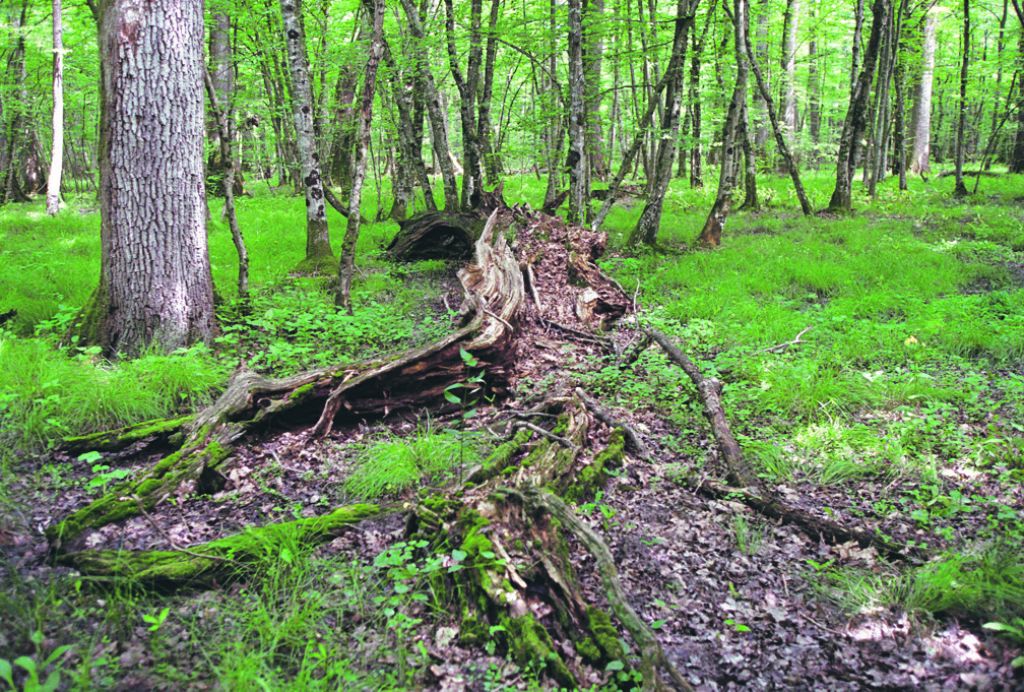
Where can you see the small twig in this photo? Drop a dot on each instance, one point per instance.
(779, 348)
(633, 439)
(500, 319)
(581, 335)
(544, 433)
(532, 280)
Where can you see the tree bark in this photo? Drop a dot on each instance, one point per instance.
(1017, 156)
(646, 230)
(439, 133)
(155, 285)
(348, 248)
(922, 118)
(467, 85)
(856, 115)
(711, 233)
(593, 54)
(319, 255)
(576, 162)
(960, 190)
(57, 148)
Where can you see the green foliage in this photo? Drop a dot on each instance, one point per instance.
(392, 464)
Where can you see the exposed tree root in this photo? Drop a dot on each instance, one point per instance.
(220, 560)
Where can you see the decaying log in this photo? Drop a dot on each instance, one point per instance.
(144, 434)
(218, 561)
(436, 235)
(494, 295)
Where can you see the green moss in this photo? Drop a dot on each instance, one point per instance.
(106, 439)
(530, 644)
(301, 391)
(325, 264)
(606, 637)
(222, 558)
(592, 476)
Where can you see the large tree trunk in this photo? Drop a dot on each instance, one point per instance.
(922, 118)
(961, 124)
(646, 230)
(57, 148)
(222, 75)
(856, 115)
(155, 286)
(814, 92)
(319, 256)
(348, 248)
(489, 151)
(576, 162)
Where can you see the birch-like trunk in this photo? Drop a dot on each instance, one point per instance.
(155, 286)
(57, 148)
(318, 239)
(792, 26)
(922, 118)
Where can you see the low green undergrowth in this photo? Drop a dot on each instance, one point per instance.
(392, 464)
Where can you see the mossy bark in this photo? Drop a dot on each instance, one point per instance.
(220, 560)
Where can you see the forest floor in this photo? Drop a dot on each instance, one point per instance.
(873, 373)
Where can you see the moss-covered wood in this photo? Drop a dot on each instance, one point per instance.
(153, 431)
(220, 560)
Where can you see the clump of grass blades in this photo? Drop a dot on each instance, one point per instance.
(390, 465)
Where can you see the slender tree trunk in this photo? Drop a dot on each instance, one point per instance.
(646, 230)
(1017, 156)
(750, 201)
(856, 115)
(791, 25)
(761, 133)
(711, 233)
(813, 92)
(696, 151)
(576, 162)
(900, 134)
(780, 138)
(57, 149)
(875, 162)
(155, 287)
(858, 31)
(348, 248)
(961, 190)
(472, 181)
(491, 159)
(593, 53)
(922, 117)
(432, 101)
(318, 239)
(227, 155)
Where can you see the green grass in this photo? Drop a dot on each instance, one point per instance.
(390, 465)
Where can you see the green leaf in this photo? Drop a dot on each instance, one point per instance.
(459, 555)
(468, 358)
(451, 398)
(615, 665)
(286, 556)
(402, 588)
(6, 673)
(657, 624)
(90, 457)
